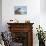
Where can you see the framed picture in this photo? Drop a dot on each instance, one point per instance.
(20, 10)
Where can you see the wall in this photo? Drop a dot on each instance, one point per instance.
(43, 6)
(34, 14)
(33, 10)
(0, 15)
(43, 14)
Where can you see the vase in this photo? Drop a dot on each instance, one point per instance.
(41, 43)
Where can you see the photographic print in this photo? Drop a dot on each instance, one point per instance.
(20, 10)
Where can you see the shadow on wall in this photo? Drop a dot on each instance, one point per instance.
(0, 15)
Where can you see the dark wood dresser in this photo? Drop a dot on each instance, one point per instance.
(22, 33)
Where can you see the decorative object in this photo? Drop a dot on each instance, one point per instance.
(27, 21)
(41, 36)
(20, 10)
(13, 21)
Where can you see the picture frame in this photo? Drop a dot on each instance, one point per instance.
(20, 10)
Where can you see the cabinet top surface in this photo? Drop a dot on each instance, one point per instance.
(19, 23)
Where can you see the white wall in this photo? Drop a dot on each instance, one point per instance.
(34, 14)
(43, 6)
(33, 10)
(43, 14)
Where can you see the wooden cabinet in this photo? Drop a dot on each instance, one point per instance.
(22, 33)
